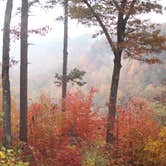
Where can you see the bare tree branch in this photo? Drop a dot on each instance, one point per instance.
(102, 26)
(130, 10)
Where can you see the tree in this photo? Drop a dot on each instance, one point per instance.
(6, 101)
(24, 64)
(23, 71)
(75, 77)
(135, 37)
(65, 52)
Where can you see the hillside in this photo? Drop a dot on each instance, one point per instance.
(93, 56)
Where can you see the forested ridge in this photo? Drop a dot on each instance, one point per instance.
(93, 99)
(148, 76)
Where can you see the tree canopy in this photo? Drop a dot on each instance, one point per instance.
(141, 37)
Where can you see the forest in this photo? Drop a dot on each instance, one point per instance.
(83, 83)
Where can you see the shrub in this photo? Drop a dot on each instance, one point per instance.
(57, 136)
(11, 157)
(156, 149)
(135, 124)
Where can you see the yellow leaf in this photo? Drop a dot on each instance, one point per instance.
(2, 155)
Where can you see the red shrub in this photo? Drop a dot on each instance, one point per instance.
(80, 118)
(135, 124)
(53, 132)
(68, 156)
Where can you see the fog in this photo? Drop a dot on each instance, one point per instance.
(45, 52)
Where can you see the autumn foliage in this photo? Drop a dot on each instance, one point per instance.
(135, 123)
(58, 136)
(77, 137)
(156, 149)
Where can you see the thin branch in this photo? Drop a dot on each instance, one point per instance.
(130, 10)
(102, 26)
(116, 5)
(123, 5)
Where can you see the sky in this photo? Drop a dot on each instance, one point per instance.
(39, 17)
(42, 17)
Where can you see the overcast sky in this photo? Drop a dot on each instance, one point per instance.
(41, 17)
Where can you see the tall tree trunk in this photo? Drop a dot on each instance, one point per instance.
(113, 100)
(24, 71)
(65, 53)
(117, 51)
(6, 101)
(121, 26)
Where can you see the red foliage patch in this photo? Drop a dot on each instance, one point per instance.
(135, 123)
(54, 133)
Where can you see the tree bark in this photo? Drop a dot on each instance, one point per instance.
(121, 27)
(117, 51)
(6, 99)
(113, 100)
(24, 71)
(65, 53)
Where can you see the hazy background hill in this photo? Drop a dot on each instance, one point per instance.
(95, 57)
